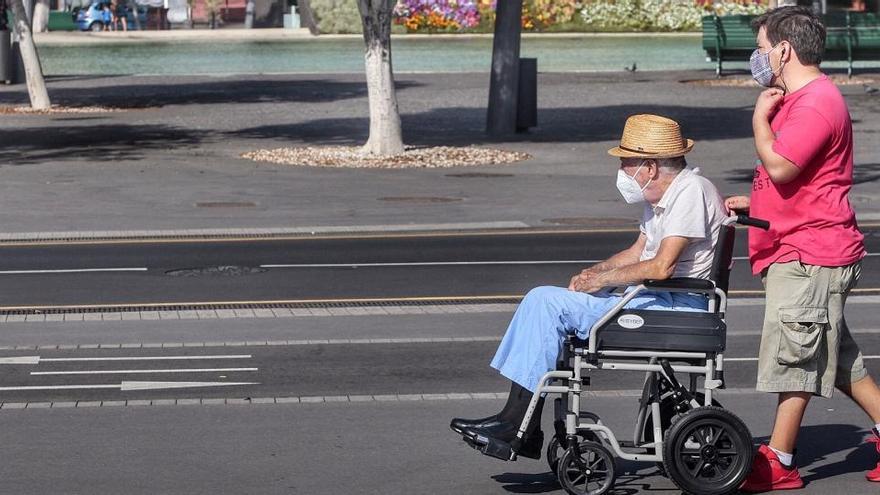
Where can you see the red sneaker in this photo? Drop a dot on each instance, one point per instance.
(874, 474)
(768, 474)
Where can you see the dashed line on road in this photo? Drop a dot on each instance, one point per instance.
(71, 270)
(271, 343)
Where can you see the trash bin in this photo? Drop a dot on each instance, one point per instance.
(19, 76)
(5, 57)
(527, 95)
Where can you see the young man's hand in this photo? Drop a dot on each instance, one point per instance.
(767, 102)
(737, 203)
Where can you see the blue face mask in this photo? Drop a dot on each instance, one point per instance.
(761, 68)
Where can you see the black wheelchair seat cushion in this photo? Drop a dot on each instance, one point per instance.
(649, 330)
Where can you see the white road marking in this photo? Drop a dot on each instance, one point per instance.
(145, 358)
(38, 359)
(431, 263)
(70, 270)
(119, 372)
(20, 360)
(127, 386)
(345, 265)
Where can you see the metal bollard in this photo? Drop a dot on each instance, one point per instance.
(5, 57)
(527, 95)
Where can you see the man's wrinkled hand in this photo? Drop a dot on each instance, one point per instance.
(737, 203)
(586, 281)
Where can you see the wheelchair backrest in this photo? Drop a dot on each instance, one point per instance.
(722, 260)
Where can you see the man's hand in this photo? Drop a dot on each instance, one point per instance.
(767, 102)
(586, 281)
(737, 203)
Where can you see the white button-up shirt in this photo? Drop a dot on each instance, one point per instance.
(691, 207)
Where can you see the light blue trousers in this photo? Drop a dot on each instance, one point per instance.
(545, 316)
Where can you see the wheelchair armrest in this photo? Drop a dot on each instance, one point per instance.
(681, 283)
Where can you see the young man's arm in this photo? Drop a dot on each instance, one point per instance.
(779, 168)
(660, 267)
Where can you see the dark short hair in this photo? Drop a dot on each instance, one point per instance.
(800, 26)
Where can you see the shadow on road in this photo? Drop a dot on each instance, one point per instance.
(466, 125)
(105, 142)
(201, 92)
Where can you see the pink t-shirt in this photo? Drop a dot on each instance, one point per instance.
(810, 218)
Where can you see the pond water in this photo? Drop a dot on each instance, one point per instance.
(410, 54)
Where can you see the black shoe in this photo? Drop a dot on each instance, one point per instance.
(458, 425)
(505, 433)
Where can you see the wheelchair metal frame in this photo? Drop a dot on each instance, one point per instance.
(654, 364)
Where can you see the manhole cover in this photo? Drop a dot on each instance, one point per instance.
(478, 175)
(215, 271)
(592, 221)
(419, 199)
(225, 204)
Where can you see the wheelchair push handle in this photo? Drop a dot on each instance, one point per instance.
(752, 222)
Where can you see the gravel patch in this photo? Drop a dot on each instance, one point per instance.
(412, 157)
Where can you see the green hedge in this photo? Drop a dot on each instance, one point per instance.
(337, 16)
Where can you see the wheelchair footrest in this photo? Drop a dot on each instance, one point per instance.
(492, 447)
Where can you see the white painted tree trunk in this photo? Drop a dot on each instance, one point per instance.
(36, 85)
(249, 9)
(41, 16)
(385, 132)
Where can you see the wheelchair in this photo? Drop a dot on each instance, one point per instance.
(701, 447)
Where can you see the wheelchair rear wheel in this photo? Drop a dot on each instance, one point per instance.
(708, 450)
(587, 469)
(668, 413)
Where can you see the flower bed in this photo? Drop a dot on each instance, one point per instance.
(432, 16)
(478, 16)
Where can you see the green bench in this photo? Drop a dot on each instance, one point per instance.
(851, 36)
(58, 21)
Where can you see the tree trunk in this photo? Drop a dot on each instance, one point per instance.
(504, 80)
(132, 6)
(36, 85)
(40, 21)
(249, 8)
(385, 133)
(307, 18)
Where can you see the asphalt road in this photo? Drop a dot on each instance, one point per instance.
(338, 445)
(367, 415)
(384, 266)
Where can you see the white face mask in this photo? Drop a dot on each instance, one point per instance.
(629, 188)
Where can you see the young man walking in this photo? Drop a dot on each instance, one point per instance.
(810, 259)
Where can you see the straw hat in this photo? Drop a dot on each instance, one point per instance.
(651, 136)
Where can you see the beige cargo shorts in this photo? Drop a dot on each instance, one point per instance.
(806, 345)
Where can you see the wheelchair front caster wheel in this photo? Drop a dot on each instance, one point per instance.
(555, 449)
(586, 469)
(708, 450)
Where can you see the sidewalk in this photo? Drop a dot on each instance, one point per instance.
(67, 38)
(171, 159)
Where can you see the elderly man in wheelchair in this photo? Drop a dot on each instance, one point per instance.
(669, 318)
